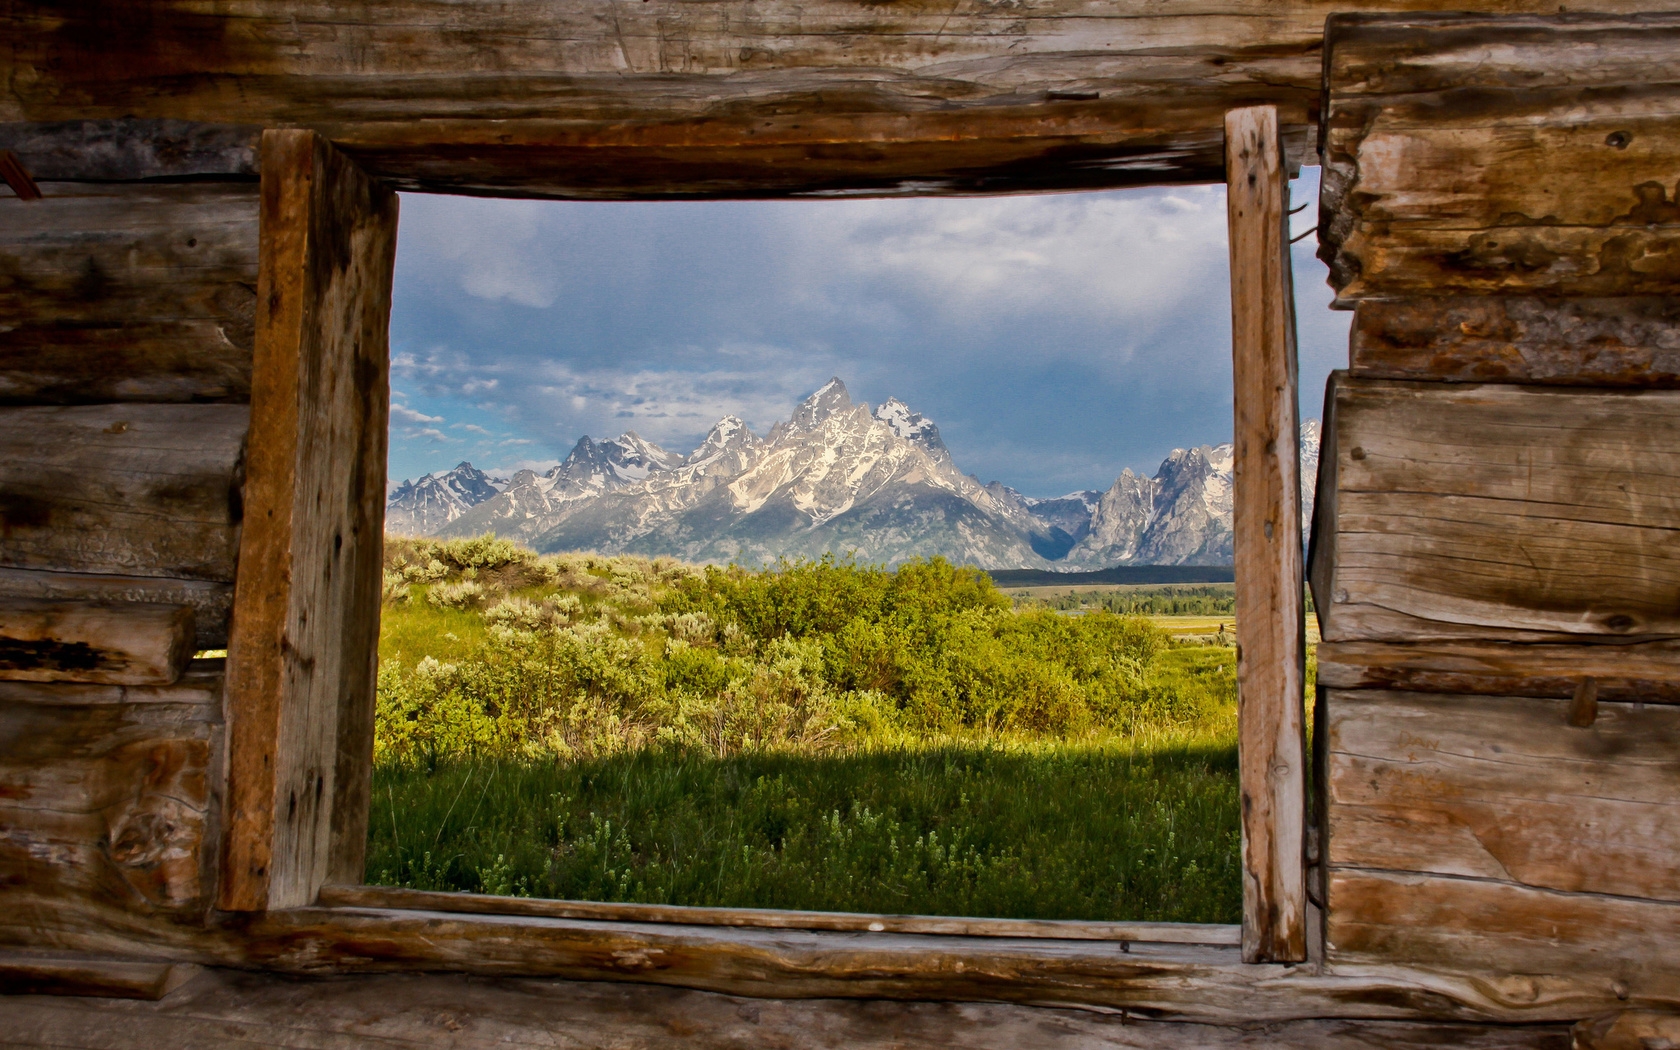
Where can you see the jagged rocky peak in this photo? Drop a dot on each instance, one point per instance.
(729, 434)
(636, 457)
(829, 398)
(912, 427)
(436, 499)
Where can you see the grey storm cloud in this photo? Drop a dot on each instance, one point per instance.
(1055, 339)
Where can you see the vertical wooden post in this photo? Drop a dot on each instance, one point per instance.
(1271, 639)
(302, 648)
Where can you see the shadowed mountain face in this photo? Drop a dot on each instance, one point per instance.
(424, 506)
(839, 477)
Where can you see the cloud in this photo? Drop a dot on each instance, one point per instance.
(404, 414)
(474, 427)
(1055, 338)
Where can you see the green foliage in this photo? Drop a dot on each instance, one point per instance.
(1032, 830)
(815, 735)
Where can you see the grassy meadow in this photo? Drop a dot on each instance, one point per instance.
(819, 735)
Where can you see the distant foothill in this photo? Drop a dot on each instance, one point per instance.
(835, 478)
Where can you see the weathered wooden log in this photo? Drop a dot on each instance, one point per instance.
(220, 1008)
(1497, 512)
(115, 643)
(1519, 940)
(1646, 672)
(130, 150)
(1628, 1030)
(210, 602)
(1503, 788)
(128, 293)
(780, 919)
(1631, 342)
(712, 98)
(1267, 491)
(143, 490)
(303, 650)
(29, 972)
(200, 684)
(1477, 155)
(105, 805)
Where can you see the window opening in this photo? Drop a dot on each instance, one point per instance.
(580, 710)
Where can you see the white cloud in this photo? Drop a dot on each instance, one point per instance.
(473, 427)
(404, 414)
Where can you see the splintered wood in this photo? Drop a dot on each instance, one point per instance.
(302, 655)
(1271, 642)
(121, 643)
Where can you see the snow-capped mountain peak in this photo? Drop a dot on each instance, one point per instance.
(827, 400)
(429, 503)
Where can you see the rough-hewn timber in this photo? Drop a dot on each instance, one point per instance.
(1499, 512)
(132, 489)
(25, 971)
(1473, 155)
(139, 292)
(221, 1008)
(106, 806)
(1647, 672)
(1271, 643)
(210, 601)
(1062, 929)
(302, 654)
(1633, 342)
(696, 98)
(118, 643)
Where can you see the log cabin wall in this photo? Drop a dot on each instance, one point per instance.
(127, 307)
(1495, 561)
(138, 369)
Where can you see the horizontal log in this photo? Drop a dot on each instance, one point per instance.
(1521, 940)
(1497, 155)
(1645, 672)
(27, 972)
(210, 601)
(221, 1008)
(200, 685)
(1628, 1030)
(1504, 788)
(130, 150)
(711, 98)
(105, 806)
(1500, 512)
(187, 360)
(143, 490)
(781, 919)
(1519, 339)
(103, 642)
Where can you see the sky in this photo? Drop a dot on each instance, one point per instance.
(1054, 338)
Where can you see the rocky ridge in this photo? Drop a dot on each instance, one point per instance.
(844, 477)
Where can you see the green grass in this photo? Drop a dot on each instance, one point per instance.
(817, 736)
(1052, 830)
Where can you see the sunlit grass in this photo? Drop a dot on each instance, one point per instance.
(1103, 829)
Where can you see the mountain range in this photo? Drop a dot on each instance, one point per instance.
(835, 477)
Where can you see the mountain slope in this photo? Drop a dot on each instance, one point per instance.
(424, 506)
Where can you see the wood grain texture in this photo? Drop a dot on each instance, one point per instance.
(1483, 155)
(301, 658)
(106, 806)
(1271, 642)
(1504, 788)
(126, 149)
(1646, 672)
(703, 97)
(1601, 952)
(138, 292)
(1499, 512)
(209, 601)
(29, 972)
(1628, 1030)
(220, 1008)
(132, 489)
(116, 643)
(200, 684)
(768, 918)
(1631, 342)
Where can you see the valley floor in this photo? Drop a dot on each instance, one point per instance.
(821, 737)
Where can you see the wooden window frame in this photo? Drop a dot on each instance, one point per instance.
(294, 848)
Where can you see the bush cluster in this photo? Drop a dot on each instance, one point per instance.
(582, 655)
